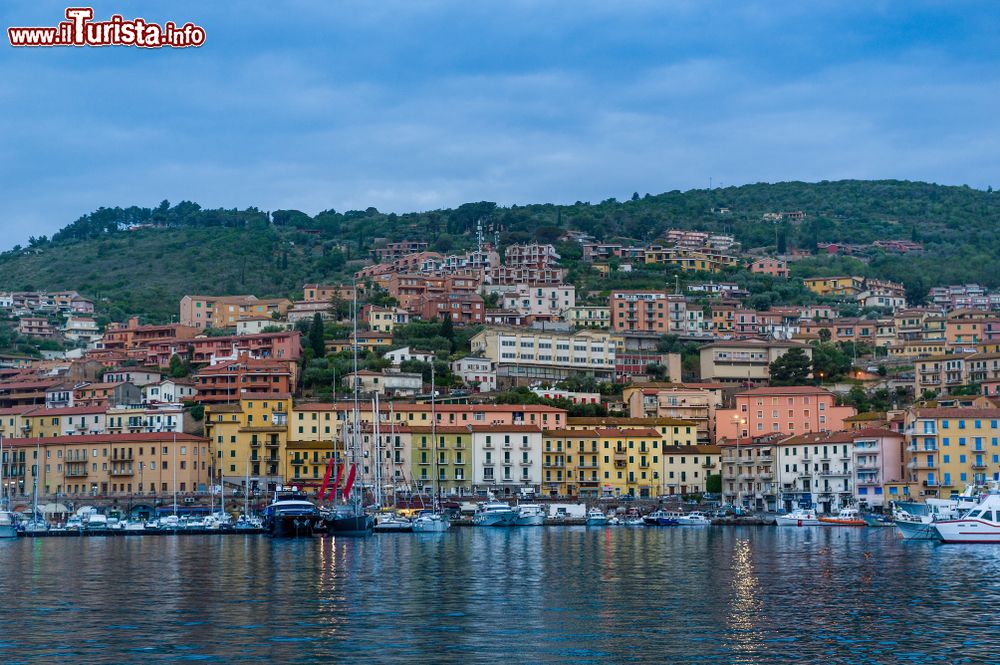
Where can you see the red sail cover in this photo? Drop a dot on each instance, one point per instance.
(326, 478)
(336, 484)
(350, 482)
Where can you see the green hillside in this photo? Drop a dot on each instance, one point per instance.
(184, 249)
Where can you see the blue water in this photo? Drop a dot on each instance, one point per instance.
(531, 595)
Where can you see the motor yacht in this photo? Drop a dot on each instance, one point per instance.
(979, 525)
(596, 517)
(292, 515)
(694, 518)
(799, 517)
(530, 514)
(429, 521)
(494, 513)
(661, 518)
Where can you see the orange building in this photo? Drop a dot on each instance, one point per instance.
(786, 409)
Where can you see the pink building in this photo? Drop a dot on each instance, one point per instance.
(878, 459)
(769, 266)
(787, 409)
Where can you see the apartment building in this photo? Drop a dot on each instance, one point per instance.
(230, 381)
(464, 309)
(789, 410)
(689, 402)
(224, 311)
(385, 319)
(950, 448)
(526, 355)
(588, 316)
(648, 311)
(541, 302)
(743, 361)
(770, 266)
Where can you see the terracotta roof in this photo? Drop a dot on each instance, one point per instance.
(786, 390)
(143, 437)
(868, 415)
(611, 421)
(875, 432)
(957, 412)
(840, 436)
(68, 411)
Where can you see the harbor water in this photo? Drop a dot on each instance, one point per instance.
(528, 595)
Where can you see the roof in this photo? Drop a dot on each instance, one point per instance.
(732, 343)
(955, 412)
(611, 421)
(67, 411)
(142, 437)
(786, 390)
(875, 432)
(867, 415)
(841, 436)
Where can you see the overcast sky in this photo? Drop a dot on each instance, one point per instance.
(411, 105)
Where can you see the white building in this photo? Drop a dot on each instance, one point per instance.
(258, 324)
(539, 301)
(394, 383)
(479, 373)
(817, 469)
(531, 355)
(136, 419)
(398, 356)
(134, 375)
(506, 458)
(169, 391)
(81, 328)
(575, 398)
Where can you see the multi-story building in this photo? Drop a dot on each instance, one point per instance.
(820, 470)
(939, 374)
(106, 394)
(747, 467)
(230, 381)
(225, 311)
(142, 466)
(648, 311)
(696, 403)
(688, 260)
(527, 355)
(878, 461)
(387, 382)
(327, 292)
(788, 410)
(35, 326)
(531, 256)
(66, 421)
(770, 266)
(464, 309)
(950, 448)
(743, 361)
(409, 288)
(249, 437)
(276, 346)
(396, 250)
(139, 418)
(588, 316)
(835, 286)
(478, 373)
(385, 319)
(541, 302)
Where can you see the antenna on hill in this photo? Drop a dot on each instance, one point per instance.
(479, 234)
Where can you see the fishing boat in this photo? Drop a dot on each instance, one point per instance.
(393, 523)
(661, 518)
(292, 515)
(846, 517)
(494, 513)
(530, 514)
(694, 518)
(979, 525)
(596, 517)
(799, 517)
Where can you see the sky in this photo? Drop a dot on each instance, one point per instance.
(420, 104)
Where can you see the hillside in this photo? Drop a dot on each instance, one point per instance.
(143, 259)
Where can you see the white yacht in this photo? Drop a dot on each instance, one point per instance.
(799, 517)
(428, 521)
(915, 521)
(530, 514)
(694, 518)
(596, 517)
(8, 529)
(392, 523)
(494, 513)
(979, 525)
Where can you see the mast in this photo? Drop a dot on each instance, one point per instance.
(38, 470)
(354, 498)
(377, 451)
(174, 465)
(392, 442)
(434, 452)
(4, 501)
(246, 487)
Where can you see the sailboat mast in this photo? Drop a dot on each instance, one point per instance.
(377, 451)
(354, 428)
(434, 452)
(38, 470)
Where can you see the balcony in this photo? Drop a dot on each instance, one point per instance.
(917, 464)
(708, 465)
(764, 459)
(927, 447)
(978, 466)
(272, 444)
(525, 462)
(124, 457)
(122, 471)
(76, 473)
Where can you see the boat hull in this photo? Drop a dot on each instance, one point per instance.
(350, 525)
(785, 520)
(430, 526)
(683, 522)
(834, 521)
(292, 526)
(495, 519)
(917, 530)
(597, 521)
(393, 527)
(530, 520)
(8, 531)
(968, 531)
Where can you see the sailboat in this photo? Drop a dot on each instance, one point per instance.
(433, 520)
(36, 525)
(350, 518)
(7, 523)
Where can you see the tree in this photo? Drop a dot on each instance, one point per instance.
(830, 363)
(178, 368)
(791, 369)
(316, 336)
(713, 483)
(825, 335)
(448, 331)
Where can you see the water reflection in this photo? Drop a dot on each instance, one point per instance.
(568, 594)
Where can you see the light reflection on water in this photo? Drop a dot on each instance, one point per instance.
(568, 594)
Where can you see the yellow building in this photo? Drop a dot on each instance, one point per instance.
(835, 286)
(634, 461)
(249, 438)
(13, 421)
(385, 319)
(703, 260)
(917, 349)
(370, 341)
(950, 448)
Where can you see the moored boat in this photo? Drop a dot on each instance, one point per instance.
(661, 518)
(529, 514)
(979, 525)
(846, 517)
(392, 523)
(596, 517)
(799, 517)
(694, 518)
(494, 513)
(429, 521)
(292, 515)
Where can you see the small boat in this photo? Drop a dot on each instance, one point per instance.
(596, 517)
(248, 522)
(799, 517)
(393, 523)
(292, 515)
(661, 518)
(694, 518)
(96, 522)
(634, 521)
(35, 526)
(530, 514)
(8, 529)
(134, 526)
(494, 513)
(846, 517)
(979, 525)
(429, 521)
